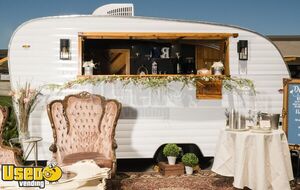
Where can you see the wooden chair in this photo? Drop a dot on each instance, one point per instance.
(8, 155)
(84, 128)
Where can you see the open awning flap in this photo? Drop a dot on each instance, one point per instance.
(175, 36)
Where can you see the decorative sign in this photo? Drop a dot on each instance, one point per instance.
(165, 53)
(291, 111)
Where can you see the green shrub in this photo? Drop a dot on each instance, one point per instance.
(190, 159)
(10, 129)
(171, 150)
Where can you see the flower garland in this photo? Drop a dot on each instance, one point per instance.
(238, 83)
(154, 82)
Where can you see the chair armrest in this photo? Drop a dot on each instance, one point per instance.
(115, 145)
(53, 148)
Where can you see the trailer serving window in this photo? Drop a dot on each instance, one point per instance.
(153, 53)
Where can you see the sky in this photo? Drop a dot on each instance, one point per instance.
(268, 17)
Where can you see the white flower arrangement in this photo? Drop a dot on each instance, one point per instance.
(218, 64)
(25, 99)
(89, 64)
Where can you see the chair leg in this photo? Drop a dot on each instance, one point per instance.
(113, 170)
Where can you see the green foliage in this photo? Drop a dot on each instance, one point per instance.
(156, 81)
(190, 159)
(238, 83)
(171, 150)
(10, 129)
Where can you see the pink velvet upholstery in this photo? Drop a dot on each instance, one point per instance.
(8, 155)
(84, 128)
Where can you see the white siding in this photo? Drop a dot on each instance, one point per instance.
(149, 118)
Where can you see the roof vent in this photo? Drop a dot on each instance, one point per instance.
(125, 9)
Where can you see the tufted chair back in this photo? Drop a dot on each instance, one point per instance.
(84, 128)
(8, 155)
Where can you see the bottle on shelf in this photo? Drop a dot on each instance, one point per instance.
(154, 68)
(178, 64)
(178, 68)
(190, 65)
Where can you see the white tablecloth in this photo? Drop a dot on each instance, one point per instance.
(256, 160)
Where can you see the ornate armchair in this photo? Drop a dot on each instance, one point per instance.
(8, 155)
(83, 127)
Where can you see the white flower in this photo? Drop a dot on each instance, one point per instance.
(17, 95)
(88, 64)
(217, 64)
(26, 100)
(244, 88)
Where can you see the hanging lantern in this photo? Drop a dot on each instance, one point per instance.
(242, 48)
(65, 53)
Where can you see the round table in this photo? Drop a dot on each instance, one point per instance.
(32, 143)
(256, 160)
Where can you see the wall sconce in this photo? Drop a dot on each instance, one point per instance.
(65, 53)
(242, 48)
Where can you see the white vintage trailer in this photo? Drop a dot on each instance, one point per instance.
(149, 118)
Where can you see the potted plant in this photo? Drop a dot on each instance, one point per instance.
(171, 151)
(88, 67)
(189, 160)
(218, 68)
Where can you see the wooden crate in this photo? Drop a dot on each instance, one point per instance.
(167, 170)
(209, 89)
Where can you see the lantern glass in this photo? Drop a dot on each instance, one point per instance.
(65, 49)
(243, 49)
